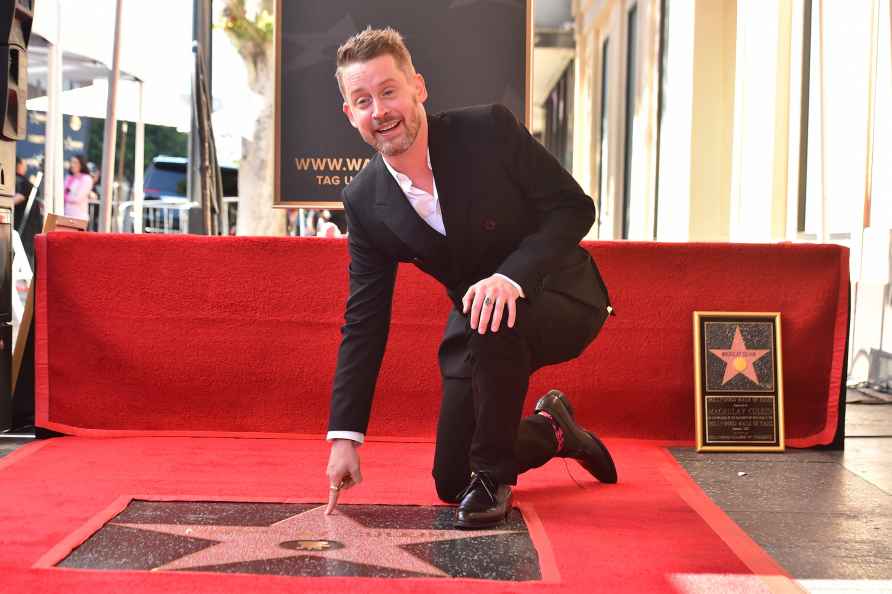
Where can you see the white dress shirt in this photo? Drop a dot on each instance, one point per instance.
(428, 208)
(426, 205)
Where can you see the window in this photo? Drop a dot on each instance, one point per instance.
(603, 149)
(558, 138)
(661, 101)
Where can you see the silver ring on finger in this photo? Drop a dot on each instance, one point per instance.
(487, 301)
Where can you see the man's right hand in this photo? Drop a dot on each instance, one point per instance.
(343, 470)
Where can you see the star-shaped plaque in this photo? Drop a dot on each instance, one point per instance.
(739, 359)
(299, 539)
(738, 356)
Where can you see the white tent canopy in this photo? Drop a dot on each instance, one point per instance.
(151, 41)
(162, 109)
(155, 36)
(156, 48)
(155, 52)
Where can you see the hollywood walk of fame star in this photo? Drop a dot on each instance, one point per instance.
(739, 359)
(310, 533)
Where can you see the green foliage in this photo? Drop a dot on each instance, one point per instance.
(247, 29)
(160, 140)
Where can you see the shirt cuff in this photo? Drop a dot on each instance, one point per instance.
(352, 435)
(516, 286)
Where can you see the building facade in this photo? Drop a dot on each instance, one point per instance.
(747, 121)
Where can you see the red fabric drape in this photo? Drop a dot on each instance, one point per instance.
(238, 336)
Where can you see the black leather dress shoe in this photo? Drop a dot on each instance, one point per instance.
(579, 444)
(484, 503)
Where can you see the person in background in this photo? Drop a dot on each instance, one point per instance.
(27, 229)
(78, 184)
(325, 227)
(95, 193)
(94, 175)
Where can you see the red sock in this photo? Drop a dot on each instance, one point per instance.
(558, 432)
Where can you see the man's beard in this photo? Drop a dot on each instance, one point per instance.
(401, 144)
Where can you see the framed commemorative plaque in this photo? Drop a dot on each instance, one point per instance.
(738, 380)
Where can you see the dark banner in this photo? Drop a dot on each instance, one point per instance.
(76, 138)
(469, 52)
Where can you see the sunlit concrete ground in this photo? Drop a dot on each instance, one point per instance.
(825, 516)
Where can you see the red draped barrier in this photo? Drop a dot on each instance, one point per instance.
(187, 335)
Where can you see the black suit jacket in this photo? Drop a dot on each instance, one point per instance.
(508, 207)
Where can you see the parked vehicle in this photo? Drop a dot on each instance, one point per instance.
(166, 178)
(166, 181)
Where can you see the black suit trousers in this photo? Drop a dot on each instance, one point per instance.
(480, 426)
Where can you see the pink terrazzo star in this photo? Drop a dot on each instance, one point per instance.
(739, 359)
(310, 533)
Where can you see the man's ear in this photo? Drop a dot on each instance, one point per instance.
(349, 113)
(420, 87)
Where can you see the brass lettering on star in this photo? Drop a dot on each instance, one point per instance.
(312, 545)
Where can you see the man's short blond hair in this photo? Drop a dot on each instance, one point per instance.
(369, 44)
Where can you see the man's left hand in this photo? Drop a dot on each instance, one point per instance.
(487, 300)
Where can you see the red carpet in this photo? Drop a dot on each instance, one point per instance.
(189, 338)
(653, 532)
(238, 336)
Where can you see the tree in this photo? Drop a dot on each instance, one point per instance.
(250, 29)
(159, 140)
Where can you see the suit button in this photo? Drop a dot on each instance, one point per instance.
(489, 225)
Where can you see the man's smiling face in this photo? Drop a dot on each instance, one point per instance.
(384, 103)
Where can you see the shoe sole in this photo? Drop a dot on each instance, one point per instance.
(610, 477)
(475, 526)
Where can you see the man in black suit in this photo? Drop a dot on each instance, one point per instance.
(472, 199)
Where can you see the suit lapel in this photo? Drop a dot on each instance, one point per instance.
(394, 210)
(449, 175)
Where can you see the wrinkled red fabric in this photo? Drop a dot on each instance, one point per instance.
(189, 335)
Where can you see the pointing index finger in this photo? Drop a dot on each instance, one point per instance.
(333, 493)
